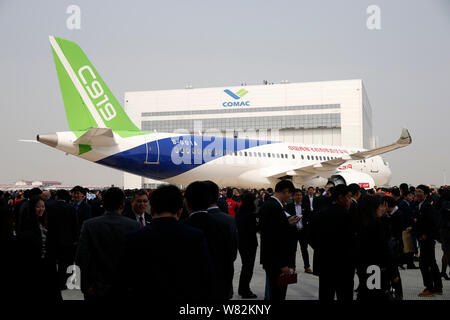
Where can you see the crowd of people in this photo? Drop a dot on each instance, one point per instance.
(181, 245)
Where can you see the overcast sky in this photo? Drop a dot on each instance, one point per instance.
(152, 45)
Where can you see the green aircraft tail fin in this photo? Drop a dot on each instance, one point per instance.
(87, 100)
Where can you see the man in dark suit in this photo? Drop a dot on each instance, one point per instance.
(175, 266)
(276, 242)
(425, 229)
(138, 208)
(320, 205)
(228, 224)
(295, 208)
(222, 202)
(218, 238)
(407, 218)
(82, 208)
(247, 226)
(21, 208)
(336, 241)
(310, 202)
(99, 246)
(354, 209)
(64, 222)
(97, 205)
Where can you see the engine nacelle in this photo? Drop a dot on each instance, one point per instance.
(350, 176)
(314, 182)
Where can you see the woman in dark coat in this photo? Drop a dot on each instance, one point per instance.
(39, 277)
(247, 242)
(373, 246)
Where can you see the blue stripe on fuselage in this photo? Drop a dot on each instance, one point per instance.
(172, 163)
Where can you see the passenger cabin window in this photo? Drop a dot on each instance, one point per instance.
(293, 157)
(303, 157)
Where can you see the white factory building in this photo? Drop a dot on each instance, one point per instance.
(326, 112)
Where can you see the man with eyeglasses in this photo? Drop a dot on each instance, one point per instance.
(138, 209)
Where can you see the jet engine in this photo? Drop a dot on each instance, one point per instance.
(350, 176)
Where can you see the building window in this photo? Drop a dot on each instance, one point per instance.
(278, 122)
(243, 110)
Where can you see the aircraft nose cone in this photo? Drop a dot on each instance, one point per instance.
(48, 139)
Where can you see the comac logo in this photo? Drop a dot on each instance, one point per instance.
(237, 96)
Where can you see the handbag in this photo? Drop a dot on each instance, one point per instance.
(408, 244)
(284, 280)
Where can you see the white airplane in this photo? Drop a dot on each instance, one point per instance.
(101, 132)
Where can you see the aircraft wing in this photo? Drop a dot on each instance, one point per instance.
(325, 167)
(97, 137)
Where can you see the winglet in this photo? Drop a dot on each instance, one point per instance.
(405, 137)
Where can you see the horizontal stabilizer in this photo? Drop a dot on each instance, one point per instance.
(97, 137)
